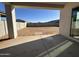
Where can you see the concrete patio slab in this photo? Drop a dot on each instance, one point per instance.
(72, 51)
(33, 47)
(20, 40)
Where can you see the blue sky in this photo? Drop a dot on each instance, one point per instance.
(35, 15)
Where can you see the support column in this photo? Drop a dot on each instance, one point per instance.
(11, 20)
(65, 19)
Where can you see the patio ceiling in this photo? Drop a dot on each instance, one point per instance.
(56, 5)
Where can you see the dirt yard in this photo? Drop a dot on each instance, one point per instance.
(30, 31)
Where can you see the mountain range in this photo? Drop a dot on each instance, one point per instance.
(54, 23)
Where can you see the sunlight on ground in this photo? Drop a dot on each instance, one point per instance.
(30, 31)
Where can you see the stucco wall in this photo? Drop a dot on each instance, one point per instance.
(3, 27)
(20, 25)
(65, 18)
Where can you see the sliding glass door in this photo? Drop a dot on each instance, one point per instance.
(75, 23)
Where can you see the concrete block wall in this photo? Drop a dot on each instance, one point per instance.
(3, 27)
(21, 25)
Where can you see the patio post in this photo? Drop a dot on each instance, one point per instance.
(11, 20)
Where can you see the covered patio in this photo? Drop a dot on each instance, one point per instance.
(62, 44)
(66, 23)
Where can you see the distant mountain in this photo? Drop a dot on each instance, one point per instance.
(45, 24)
(54, 21)
(19, 20)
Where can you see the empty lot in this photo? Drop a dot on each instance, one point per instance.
(30, 31)
(33, 31)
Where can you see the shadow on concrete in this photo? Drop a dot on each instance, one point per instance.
(72, 51)
(35, 48)
(32, 49)
(3, 38)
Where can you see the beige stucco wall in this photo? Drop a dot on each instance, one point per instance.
(3, 27)
(65, 18)
(20, 25)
